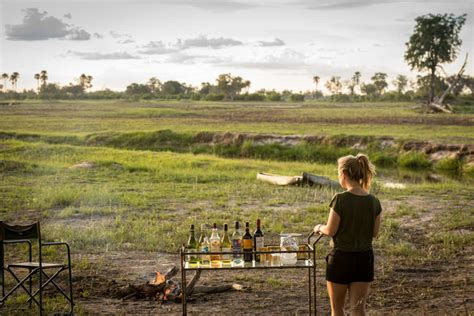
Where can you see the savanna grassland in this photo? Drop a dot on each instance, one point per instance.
(122, 181)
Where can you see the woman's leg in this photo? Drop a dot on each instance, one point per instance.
(358, 293)
(337, 295)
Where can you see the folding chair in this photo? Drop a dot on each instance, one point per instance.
(29, 234)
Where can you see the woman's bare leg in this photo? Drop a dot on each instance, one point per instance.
(337, 295)
(358, 294)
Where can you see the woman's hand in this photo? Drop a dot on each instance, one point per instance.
(317, 229)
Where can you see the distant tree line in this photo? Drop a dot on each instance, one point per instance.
(234, 88)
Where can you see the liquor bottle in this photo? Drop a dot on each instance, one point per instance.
(204, 246)
(237, 245)
(258, 242)
(247, 244)
(192, 247)
(226, 247)
(215, 242)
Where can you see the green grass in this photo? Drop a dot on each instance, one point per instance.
(80, 118)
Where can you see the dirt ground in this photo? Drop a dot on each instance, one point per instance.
(441, 287)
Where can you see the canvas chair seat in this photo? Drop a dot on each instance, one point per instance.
(33, 265)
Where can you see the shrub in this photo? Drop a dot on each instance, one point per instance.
(296, 97)
(214, 97)
(449, 164)
(414, 160)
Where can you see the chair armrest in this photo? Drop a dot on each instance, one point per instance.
(59, 243)
(18, 241)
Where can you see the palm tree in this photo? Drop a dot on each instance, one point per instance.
(316, 81)
(43, 77)
(14, 79)
(5, 77)
(89, 82)
(37, 77)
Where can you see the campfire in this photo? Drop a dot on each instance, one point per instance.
(162, 288)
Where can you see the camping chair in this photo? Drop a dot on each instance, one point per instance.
(29, 234)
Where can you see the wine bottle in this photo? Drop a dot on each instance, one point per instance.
(192, 247)
(226, 247)
(258, 242)
(237, 244)
(215, 242)
(204, 246)
(247, 244)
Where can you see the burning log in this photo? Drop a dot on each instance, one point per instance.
(162, 288)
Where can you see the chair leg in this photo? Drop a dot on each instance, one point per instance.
(51, 280)
(20, 284)
(70, 287)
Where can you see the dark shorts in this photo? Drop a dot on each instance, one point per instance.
(345, 267)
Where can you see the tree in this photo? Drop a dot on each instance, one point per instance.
(37, 77)
(136, 89)
(401, 83)
(369, 89)
(172, 87)
(379, 80)
(154, 84)
(230, 86)
(435, 41)
(14, 80)
(334, 85)
(316, 81)
(43, 77)
(354, 82)
(5, 77)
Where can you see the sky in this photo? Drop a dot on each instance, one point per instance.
(276, 44)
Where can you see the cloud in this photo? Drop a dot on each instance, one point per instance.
(157, 48)
(349, 4)
(203, 41)
(37, 26)
(77, 34)
(215, 5)
(102, 56)
(126, 41)
(68, 16)
(275, 42)
(118, 35)
(97, 35)
(285, 59)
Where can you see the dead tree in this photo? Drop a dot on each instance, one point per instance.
(437, 104)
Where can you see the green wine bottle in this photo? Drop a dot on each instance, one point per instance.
(192, 247)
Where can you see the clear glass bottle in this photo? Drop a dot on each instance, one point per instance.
(226, 246)
(237, 245)
(204, 246)
(215, 242)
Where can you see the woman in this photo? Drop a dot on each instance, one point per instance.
(354, 219)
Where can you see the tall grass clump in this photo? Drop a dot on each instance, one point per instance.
(449, 164)
(414, 160)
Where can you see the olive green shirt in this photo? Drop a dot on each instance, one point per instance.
(358, 214)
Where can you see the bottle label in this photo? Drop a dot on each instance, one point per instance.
(215, 246)
(227, 256)
(236, 245)
(259, 241)
(247, 244)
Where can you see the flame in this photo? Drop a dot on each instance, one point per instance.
(159, 278)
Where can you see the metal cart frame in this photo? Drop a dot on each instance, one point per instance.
(309, 264)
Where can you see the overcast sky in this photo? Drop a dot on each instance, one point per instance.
(276, 44)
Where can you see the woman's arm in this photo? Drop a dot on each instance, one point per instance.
(330, 229)
(376, 226)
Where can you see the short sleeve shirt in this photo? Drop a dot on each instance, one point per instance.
(358, 214)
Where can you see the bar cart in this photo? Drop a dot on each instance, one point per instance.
(309, 262)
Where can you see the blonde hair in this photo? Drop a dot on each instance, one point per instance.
(357, 168)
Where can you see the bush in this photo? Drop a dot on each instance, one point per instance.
(296, 97)
(383, 159)
(254, 97)
(414, 160)
(449, 164)
(274, 96)
(214, 97)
